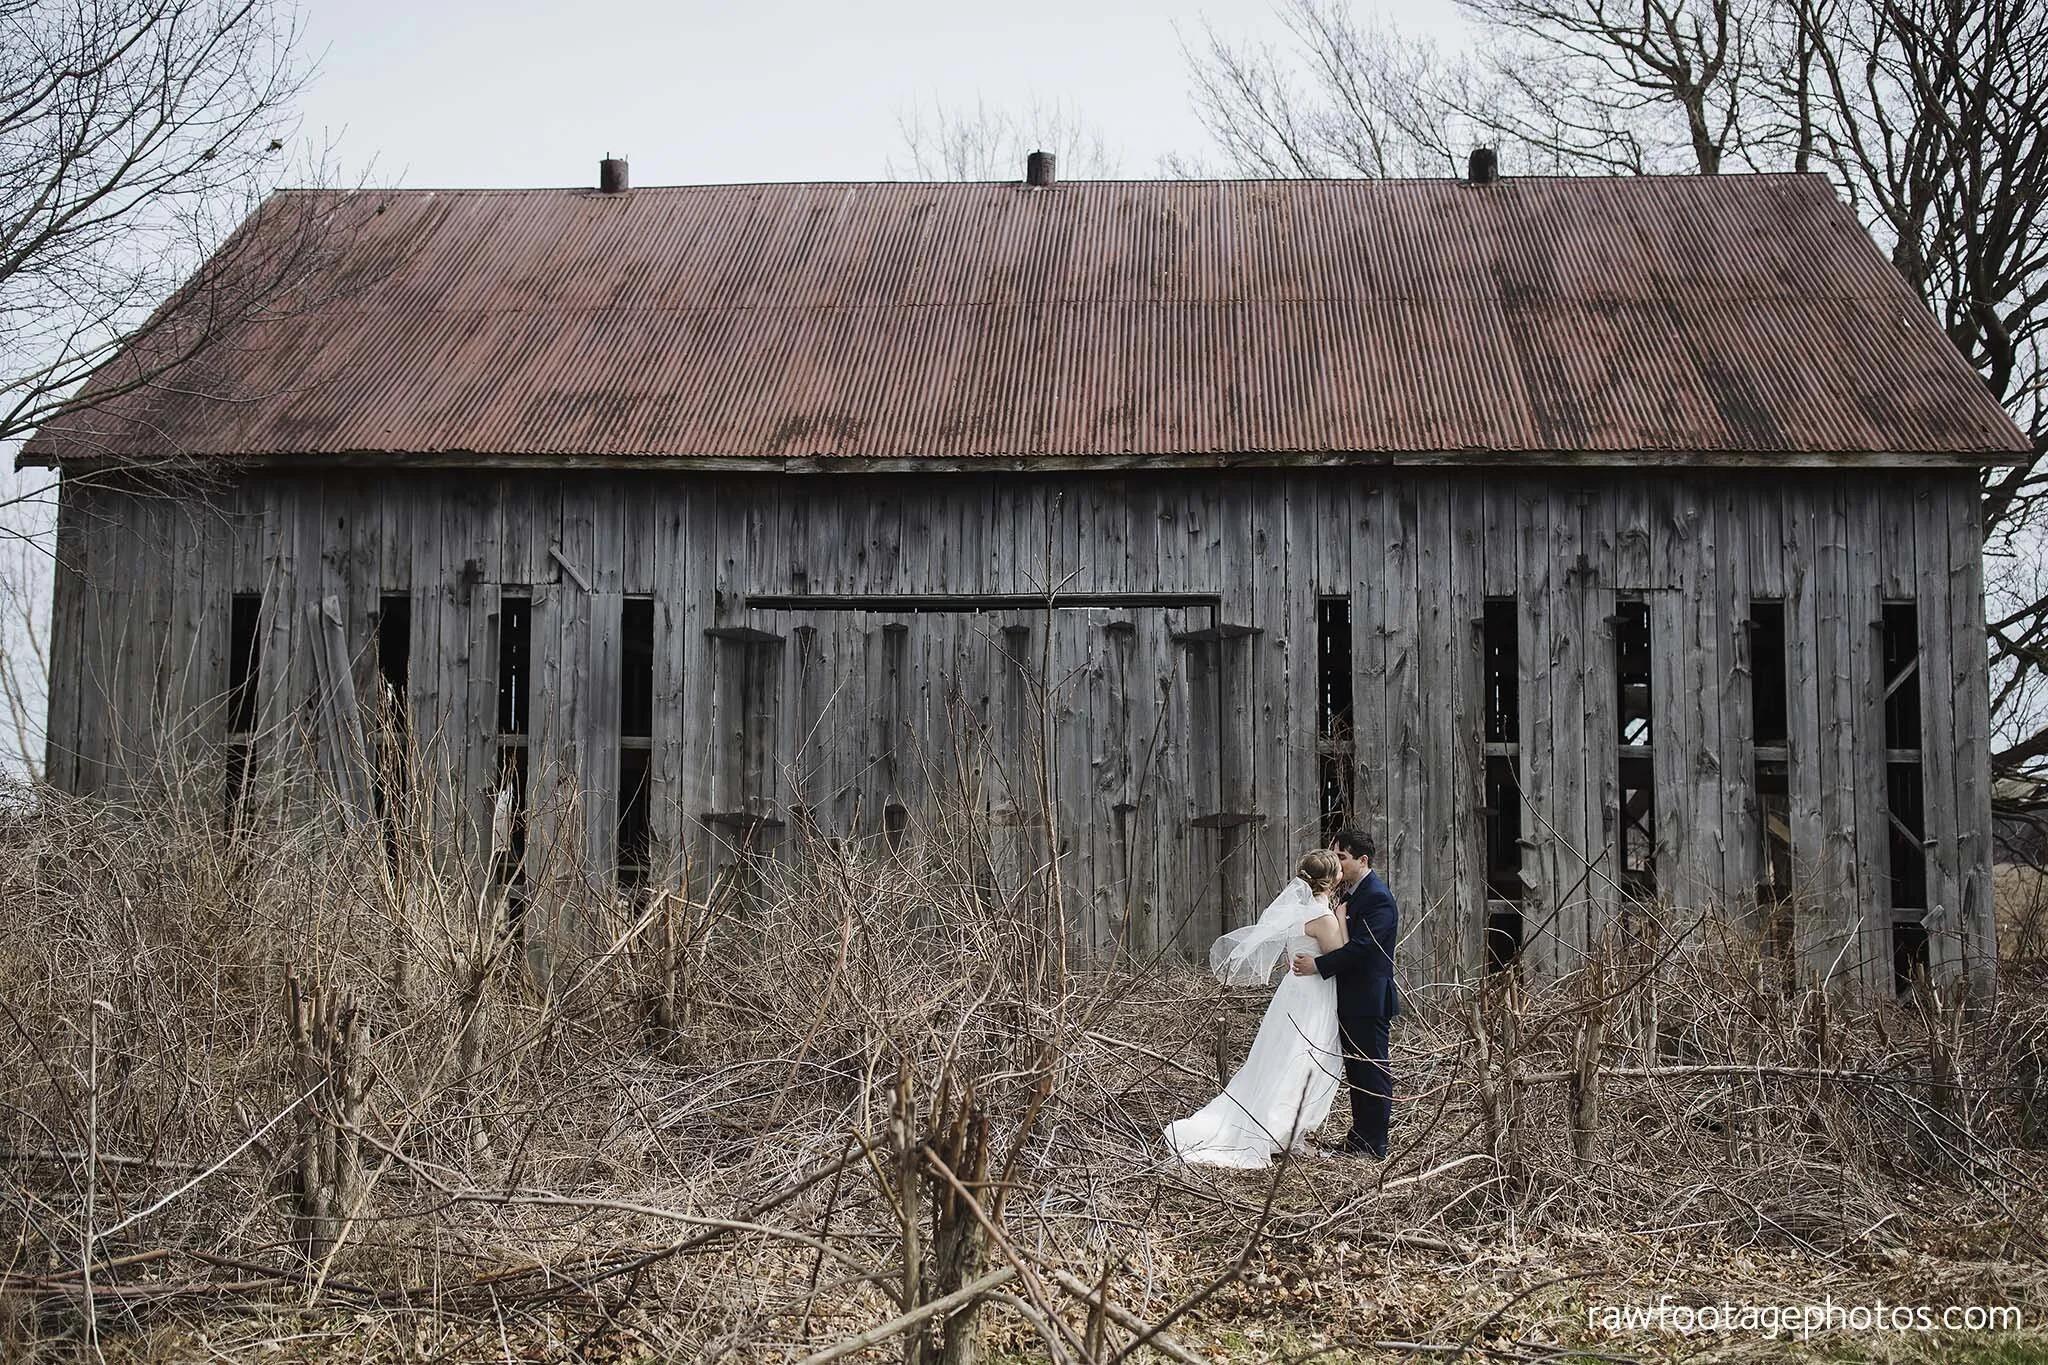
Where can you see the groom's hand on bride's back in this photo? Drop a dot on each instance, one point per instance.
(1304, 964)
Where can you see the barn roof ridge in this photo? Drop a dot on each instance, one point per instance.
(1737, 318)
(1065, 181)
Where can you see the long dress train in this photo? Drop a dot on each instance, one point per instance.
(1289, 1079)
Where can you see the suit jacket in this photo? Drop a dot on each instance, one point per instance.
(1364, 967)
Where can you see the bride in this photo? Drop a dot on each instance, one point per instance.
(1284, 1090)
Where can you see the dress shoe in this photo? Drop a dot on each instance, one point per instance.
(1354, 1146)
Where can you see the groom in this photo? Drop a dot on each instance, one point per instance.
(1366, 1001)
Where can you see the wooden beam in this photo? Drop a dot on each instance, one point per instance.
(981, 602)
(1228, 819)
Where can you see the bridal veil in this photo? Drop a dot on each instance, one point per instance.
(1247, 956)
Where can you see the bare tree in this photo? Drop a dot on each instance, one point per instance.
(1346, 96)
(940, 142)
(134, 136)
(1601, 85)
(1934, 116)
(1930, 117)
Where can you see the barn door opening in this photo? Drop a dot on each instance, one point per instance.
(1074, 734)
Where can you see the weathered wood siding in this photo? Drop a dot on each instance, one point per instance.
(1183, 739)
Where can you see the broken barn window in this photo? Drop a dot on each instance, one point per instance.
(1769, 702)
(394, 670)
(1909, 954)
(1501, 646)
(1903, 788)
(1021, 738)
(1504, 889)
(1500, 683)
(1774, 870)
(636, 742)
(1503, 829)
(1906, 811)
(896, 677)
(1637, 823)
(636, 668)
(1632, 671)
(635, 823)
(1767, 691)
(508, 831)
(1638, 828)
(394, 647)
(1901, 676)
(515, 661)
(245, 660)
(1905, 791)
(509, 799)
(1336, 751)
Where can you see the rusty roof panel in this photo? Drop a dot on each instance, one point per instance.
(1695, 316)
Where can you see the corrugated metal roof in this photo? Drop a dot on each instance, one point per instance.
(1693, 315)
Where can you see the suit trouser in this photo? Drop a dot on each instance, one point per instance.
(1368, 1077)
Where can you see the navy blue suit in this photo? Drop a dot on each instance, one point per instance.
(1367, 1001)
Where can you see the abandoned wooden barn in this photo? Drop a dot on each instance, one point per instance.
(1588, 541)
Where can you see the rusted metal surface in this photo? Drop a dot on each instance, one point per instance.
(1692, 317)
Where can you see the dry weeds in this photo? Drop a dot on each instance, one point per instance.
(262, 1098)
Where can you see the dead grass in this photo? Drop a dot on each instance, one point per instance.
(718, 1134)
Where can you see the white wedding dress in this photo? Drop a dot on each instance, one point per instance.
(1284, 1090)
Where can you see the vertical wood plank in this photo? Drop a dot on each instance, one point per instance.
(1847, 898)
(1869, 829)
(1596, 601)
(1741, 819)
(669, 791)
(1403, 857)
(1542, 858)
(1464, 703)
(193, 553)
(1699, 677)
(1630, 501)
(70, 603)
(1578, 854)
(1971, 709)
(1260, 560)
(1370, 591)
(1927, 544)
(1434, 924)
(1802, 508)
(1674, 684)
(1332, 513)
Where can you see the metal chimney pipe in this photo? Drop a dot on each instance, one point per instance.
(1038, 169)
(611, 174)
(1483, 168)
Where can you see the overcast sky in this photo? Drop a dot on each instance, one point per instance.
(525, 93)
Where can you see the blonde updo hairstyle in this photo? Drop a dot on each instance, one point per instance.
(1318, 867)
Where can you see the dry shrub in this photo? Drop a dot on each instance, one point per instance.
(333, 1107)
